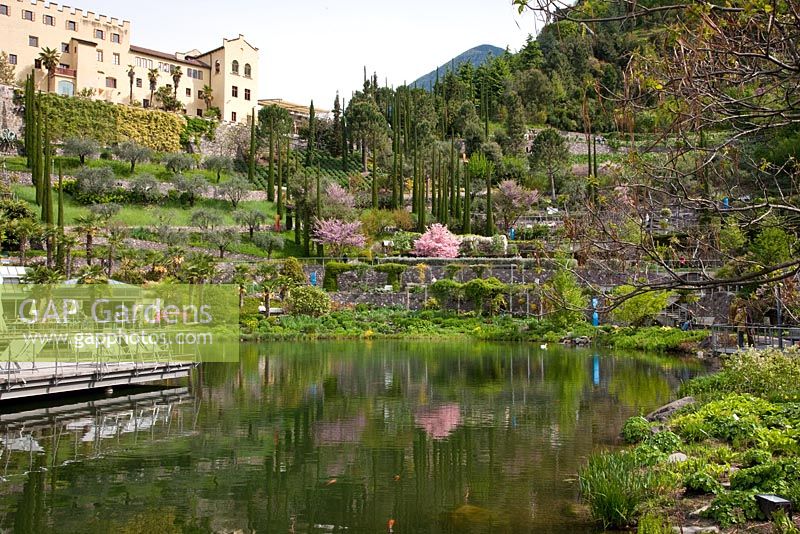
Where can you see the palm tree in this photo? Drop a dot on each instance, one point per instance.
(116, 238)
(42, 275)
(89, 224)
(208, 96)
(152, 77)
(270, 280)
(177, 74)
(68, 242)
(25, 229)
(241, 277)
(131, 76)
(92, 275)
(49, 58)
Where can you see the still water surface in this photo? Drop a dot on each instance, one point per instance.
(332, 437)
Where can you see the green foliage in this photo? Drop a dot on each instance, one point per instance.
(110, 123)
(307, 300)
(665, 441)
(393, 273)
(446, 290)
(772, 374)
(615, 487)
(652, 339)
(197, 129)
(292, 269)
(772, 246)
(332, 271)
(701, 481)
(177, 162)
(733, 508)
(564, 299)
(479, 290)
(652, 524)
(731, 237)
(636, 430)
(640, 309)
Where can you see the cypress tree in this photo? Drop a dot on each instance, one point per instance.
(60, 249)
(280, 177)
(467, 225)
(395, 149)
(434, 183)
(251, 160)
(271, 178)
(457, 198)
(453, 178)
(374, 172)
(306, 217)
(344, 141)
(47, 199)
(312, 135)
(320, 249)
(38, 174)
(490, 227)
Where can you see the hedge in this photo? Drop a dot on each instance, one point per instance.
(111, 123)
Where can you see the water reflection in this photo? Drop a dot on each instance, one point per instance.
(315, 437)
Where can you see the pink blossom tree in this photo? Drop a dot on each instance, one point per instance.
(512, 201)
(339, 202)
(437, 242)
(338, 235)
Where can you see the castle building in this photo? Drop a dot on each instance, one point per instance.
(96, 56)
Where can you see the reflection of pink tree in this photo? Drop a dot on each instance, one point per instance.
(437, 242)
(440, 421)
(338, 235)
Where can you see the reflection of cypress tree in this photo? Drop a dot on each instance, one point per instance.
(29, 517)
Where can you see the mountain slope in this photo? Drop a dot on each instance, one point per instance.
(476, 56)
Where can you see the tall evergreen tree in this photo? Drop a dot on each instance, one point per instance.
(312, 135)
(251, 159)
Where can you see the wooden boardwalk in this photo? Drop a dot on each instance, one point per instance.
(29, 379)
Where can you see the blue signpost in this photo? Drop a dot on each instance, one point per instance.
(314, 278)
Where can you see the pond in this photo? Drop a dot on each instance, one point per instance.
(364, 436)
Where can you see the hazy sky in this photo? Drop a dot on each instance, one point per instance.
(312, 48)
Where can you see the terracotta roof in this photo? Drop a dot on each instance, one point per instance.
(171, 57)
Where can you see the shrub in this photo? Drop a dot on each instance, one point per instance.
(293, 270)
(733, 507)
(145, 188)
(564, 299)
(479, 291)
(307, 300)
(640, 309)
(94, 185)
(651, 524)
(437, 242)
(445, 290)
(636, 430)
(393, 273)
(667, 442)
(332, 271)
(178, 162)
(702, 482)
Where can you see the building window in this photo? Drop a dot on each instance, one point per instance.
(216, 67)
(33, 41)
(165, 67)
(65, 88)
(235, 92)
(146, 103)
(37, 63)
(65, 48)
(235, 67)
(115, 38)
(138, 82)
(233, 116)
(111, 83)
(63, 66)
(27, 14)
(115, 58)
(247, 94)
(72, 25)
(196, 74)
(100, 56)
(144, 62)
(199, 112)
(12, 58)
(99, 34)
(248, 70)
(3, 9)
(188, 92)
(49, 20)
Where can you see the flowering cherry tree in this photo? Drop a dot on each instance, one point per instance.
(437, 242)
(512, 201)
(338, 235)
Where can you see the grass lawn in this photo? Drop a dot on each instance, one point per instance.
(148, 216)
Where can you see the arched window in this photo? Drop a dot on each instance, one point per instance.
(248, 70)
(235, 67)
(216, 66)
(65, 88)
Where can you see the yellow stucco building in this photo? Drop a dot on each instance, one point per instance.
(96, 54)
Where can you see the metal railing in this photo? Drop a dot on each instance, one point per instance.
(730, 338)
